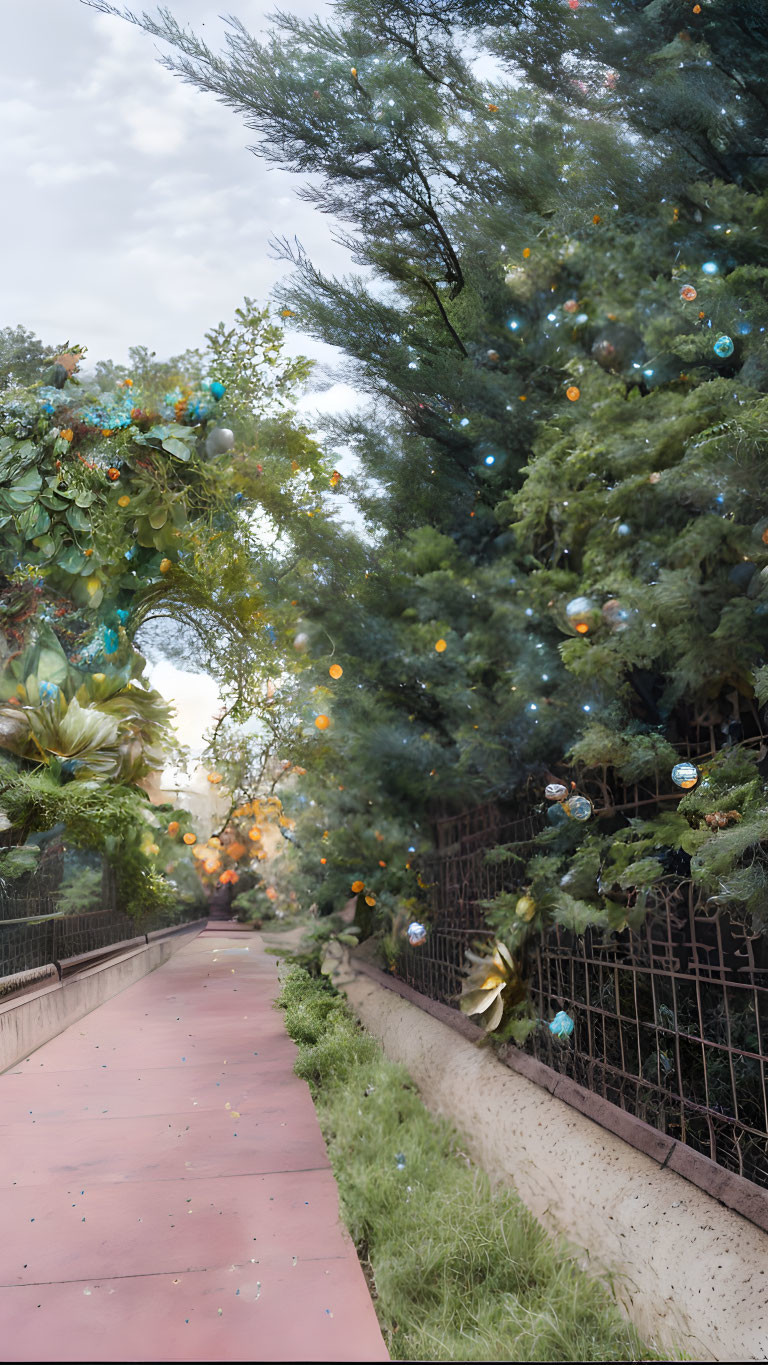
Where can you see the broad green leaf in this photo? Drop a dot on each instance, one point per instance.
(77, 519)
(177, 448)
(46, 545)
(52, 500)
(158, 518)
(52, 665)
(33, 521)
(71, 559)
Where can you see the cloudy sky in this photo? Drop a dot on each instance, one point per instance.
(133, 213)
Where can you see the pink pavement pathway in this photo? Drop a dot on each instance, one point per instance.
(166, 1193)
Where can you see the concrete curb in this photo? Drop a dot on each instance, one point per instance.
(32, 1017)
(690, 1273)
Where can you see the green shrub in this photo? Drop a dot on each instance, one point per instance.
(458, 1272)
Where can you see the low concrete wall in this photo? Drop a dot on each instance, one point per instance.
(28, 1022)
(691, 1274)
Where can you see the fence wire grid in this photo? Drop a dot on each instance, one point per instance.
(671, 1021)
(68, 906)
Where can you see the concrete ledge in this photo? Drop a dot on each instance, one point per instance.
(21, 983)
(28, 1022)
(691, 1274)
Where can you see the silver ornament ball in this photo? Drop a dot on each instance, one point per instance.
(219, 440)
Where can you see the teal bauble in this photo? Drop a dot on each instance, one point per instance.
(562, 1025)
(217, 389)
(556, 815)
(723, 347)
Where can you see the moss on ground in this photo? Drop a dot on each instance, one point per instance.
(458, 1271)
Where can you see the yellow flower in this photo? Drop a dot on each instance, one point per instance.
(492, 983)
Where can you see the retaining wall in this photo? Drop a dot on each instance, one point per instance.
(689, 1272)
(31, 1017)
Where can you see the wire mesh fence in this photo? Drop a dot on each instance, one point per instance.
(671, 1021)
(68, 905)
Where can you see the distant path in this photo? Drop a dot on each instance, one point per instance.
(165, 1190)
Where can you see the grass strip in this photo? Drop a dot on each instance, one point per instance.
(457, 1271)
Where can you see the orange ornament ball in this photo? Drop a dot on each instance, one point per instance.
(213, 778)
(357, 887)
(190, 838)
(572, 393)
(173, 828)
(271, 893)
(335, 670)
(322, 722)
(441, 646)
(254, 833)
(113, 474)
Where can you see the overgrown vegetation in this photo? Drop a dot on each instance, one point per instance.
(458, 1272)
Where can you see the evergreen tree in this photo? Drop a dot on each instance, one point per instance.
(561, 322)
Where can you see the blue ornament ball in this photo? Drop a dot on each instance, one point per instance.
(685, 775)
(217, 389)
(710, 268)
(417, 934)
(49, 691)
(579, 808)
(562, 1025)
(723, 347)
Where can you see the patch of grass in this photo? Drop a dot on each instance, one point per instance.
(458, 1272)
